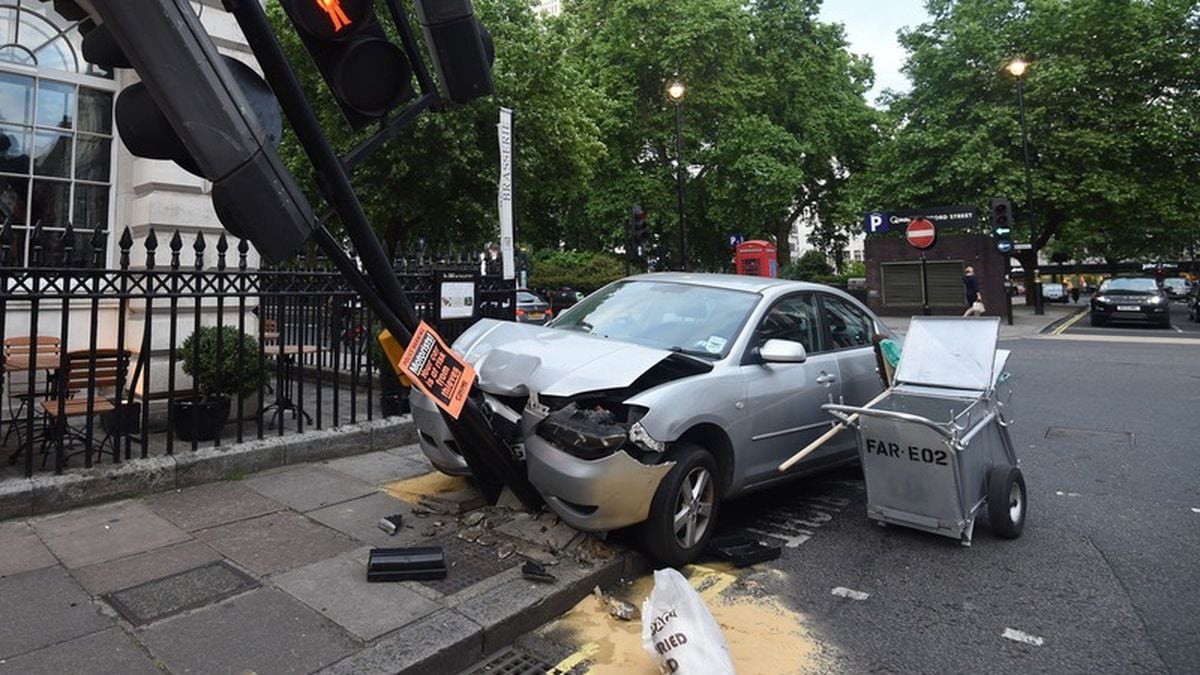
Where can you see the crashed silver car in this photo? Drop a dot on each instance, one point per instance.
(661, 395)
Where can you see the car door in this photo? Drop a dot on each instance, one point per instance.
(848, 333)
(783, 400)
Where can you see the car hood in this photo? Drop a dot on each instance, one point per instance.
(516, 358)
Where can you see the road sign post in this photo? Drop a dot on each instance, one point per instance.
(921, 234)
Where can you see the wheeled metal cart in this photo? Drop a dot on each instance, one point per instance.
(936, 449)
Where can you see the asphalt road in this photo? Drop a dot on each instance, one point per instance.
(1180, 326)
(1106, 576)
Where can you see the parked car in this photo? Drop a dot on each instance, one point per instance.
(1130, 299)
(531, 308)
(1176, 288)
(1055, 292)
(660, 396)
(1193, 303)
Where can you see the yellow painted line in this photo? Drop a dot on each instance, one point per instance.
(1069, 322)
(1126, 339)
(582, 654)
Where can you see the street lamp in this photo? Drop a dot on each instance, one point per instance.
(675, 92)
(1017, 68)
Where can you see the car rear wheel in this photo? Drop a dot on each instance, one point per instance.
(683, 513)
(1006, 501)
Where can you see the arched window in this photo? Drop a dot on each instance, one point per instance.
(56, 131)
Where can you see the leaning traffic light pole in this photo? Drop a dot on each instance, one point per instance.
(204, 109)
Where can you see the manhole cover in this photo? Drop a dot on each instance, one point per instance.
(514, 661)
(1122, 437)
(194, 588)
(467, 564)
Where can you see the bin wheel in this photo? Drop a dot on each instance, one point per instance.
(684, 510)
(1007, 503)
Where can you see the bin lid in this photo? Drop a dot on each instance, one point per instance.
(953, 352)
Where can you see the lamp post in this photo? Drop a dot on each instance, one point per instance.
(676, 91)
(1017, 68)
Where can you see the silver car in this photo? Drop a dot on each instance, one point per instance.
(661, 395)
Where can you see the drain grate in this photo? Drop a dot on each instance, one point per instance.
(177, 593)
(517, 661)
(467, 564)
(1095, 435)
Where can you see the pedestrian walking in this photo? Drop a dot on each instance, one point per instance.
(971, 290)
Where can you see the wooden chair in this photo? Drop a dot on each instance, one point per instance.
(78, 387)
(49, 349)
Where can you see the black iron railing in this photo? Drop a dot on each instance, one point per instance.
(145, 358)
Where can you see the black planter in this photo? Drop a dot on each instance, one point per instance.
(199, 419)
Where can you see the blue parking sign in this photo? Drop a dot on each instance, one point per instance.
(875, 222)
(735, 239)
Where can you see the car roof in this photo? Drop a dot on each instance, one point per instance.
(738, 282)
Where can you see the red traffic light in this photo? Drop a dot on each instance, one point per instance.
(326, 19)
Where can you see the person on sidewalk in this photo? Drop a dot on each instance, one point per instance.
(974, 298)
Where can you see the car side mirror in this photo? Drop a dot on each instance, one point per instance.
(782, 351)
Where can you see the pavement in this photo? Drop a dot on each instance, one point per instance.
(267, 574)
(1025, 322)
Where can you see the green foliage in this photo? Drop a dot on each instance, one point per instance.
(583, 271)
(812, 266)
(218, 372)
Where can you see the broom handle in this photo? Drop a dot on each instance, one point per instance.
(824, 438)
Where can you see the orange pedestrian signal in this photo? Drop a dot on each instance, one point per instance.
(336, 14)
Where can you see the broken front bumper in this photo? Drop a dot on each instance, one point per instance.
(435, 438)
(593, 495)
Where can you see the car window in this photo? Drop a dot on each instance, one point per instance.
(792, 318)
(525, 297)
(848, 326)
(1137, 285)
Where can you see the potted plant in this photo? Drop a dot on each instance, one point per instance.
(217, 378)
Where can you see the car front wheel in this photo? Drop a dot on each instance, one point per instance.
(1096, 320)
(683, 513)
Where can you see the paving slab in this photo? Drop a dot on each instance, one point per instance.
(541, 529)
(359, 518)
(377, 467)
(137, 569)
(21, 550)
(171, 595)
(413, 452)
(106, 532)
(307, 488)
(196, 508)
(263, 632)
(276, 542)
(443, 642)
(338, 589)
(42, 608)
(104, 653)
(441, 493)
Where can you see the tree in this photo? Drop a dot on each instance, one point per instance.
(809, 267)
(1114, 125)
(437, 179)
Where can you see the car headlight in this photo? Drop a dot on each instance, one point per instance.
(1102, 299)
(1156, 300)
(642, 438)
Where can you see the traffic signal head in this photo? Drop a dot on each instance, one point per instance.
(638, 228)
(192, 106)
(1001, 218)
(461, 48)
(366, 72)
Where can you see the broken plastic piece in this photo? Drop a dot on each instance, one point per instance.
(742, 550)
(391, 524)
(406, 564)
(535, 572)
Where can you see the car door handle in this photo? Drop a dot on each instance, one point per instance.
(826, 378)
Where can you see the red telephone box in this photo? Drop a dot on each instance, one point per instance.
(756, 258)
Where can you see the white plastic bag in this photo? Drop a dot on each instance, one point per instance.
(678, 631)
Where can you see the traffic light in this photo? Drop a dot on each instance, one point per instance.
(192, 106)
(461, 48)
(638, 229)
(369, 76)
(1001, 220)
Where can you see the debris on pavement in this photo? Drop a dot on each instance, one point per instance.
(406, 564)
(742, 550)
(474, 518)
(849, 594)
(534, 572)
(391, 524)
(620, 609)
(505, 550)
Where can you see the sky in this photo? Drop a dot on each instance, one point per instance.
(871, 27)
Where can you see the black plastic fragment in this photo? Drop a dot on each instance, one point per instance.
(533, 571)
(406, 564)
(391, 524)
(589, 433)
(742, 550)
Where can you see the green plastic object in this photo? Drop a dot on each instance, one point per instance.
(891, 351)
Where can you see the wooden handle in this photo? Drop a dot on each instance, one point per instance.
(824, 438)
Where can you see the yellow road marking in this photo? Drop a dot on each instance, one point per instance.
(1126, 339)
(1069, 322)
(582, 654)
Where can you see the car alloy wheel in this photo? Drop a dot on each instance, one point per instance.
(693, 507)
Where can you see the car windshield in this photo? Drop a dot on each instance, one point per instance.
(696, 320)
(1178, 284)
(1135, 286)
(1053, 287)
(527, 298)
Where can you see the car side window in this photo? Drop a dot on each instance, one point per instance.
(848, 326)
(792, 318)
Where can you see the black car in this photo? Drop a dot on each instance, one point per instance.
(1193, 303)
(532, 309)
(1176, 288)
(1131, 299)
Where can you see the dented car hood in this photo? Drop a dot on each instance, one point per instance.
(516, 358)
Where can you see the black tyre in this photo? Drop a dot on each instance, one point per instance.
(1007, 503)
(1165, 323)
(683, 513)
(1097, 321)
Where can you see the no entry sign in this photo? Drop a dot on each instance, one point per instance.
(920, 233)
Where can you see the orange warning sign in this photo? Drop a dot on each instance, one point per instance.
(437, 371)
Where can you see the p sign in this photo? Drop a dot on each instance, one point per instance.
(875, 223)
